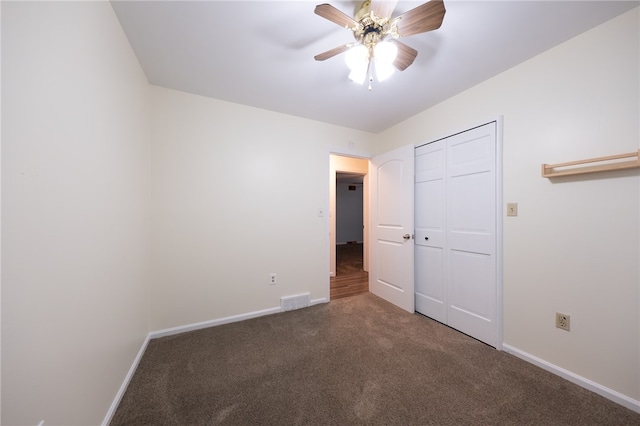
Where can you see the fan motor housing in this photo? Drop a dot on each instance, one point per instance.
(371, 30)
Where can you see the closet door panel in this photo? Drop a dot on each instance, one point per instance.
(430, 231)
(471, 233)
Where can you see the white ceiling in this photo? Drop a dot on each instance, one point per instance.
(260, 53)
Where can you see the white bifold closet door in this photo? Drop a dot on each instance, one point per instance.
(455, 232)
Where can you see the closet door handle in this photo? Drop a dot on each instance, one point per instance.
(406, 236)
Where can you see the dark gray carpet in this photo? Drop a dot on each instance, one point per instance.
(354, 361)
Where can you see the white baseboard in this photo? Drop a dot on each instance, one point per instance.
(211, 323)
(604, 391)
(125, 383)
(220, 321)
(318, 301)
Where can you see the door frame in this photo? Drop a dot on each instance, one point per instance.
(500, 212)
(331, 222)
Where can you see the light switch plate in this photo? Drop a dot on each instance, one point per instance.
(512, 209)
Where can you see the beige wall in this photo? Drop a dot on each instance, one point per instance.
(236, 197)
(574, 248)
(75, 184)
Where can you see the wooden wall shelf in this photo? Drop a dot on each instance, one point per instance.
(610, 163)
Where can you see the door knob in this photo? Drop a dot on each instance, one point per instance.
(406, 236)
(426, 238)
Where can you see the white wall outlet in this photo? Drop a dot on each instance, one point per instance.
(512, 209)
(273, 278)
(563, 321)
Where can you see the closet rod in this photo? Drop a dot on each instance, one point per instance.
(548, 170)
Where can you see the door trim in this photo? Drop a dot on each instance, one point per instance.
(499, 230)
(343, 152)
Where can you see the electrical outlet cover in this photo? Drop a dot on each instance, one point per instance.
(563, 321)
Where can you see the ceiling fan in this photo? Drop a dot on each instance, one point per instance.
(376, 34)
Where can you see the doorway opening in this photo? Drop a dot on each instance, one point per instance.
(349, 215)
(350, 277)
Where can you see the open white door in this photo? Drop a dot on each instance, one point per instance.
(391, 257)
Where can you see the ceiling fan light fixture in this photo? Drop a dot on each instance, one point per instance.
(373, 27)
(376, 30)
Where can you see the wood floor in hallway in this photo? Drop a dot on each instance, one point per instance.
(350, 279)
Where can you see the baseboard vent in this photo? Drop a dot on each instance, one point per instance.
(290, 303)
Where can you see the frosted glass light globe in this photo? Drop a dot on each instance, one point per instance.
(358, 62)
(385, 52)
